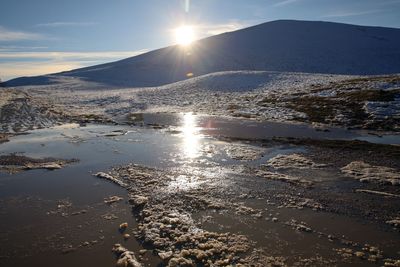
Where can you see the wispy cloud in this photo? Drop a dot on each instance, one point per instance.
(214, 29)
(206, 30)
(70, 55)
(16, 64)
(285, 2)
(12, 48)
(8, 35)
(340, 14)
(388, 2)
(64, 24)
(27, 68)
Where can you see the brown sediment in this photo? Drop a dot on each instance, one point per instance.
(4, 137)
(244, 152)
(327, 151)
(380, 166)
(346, 105)
(166, 226)
(367, 173)
(349, 104)
(376, 193)
(292, 161)
(15, 163)
(283, 177)
(126, 258)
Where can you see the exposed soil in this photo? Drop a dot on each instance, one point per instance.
(166, 225)
(233, 202)
(380, 174)
(4, 137)
(14, 163)
(344, 103)
(347, 108)
(327, 151)
(165, 216)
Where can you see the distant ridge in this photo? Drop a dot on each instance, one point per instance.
(283, 45)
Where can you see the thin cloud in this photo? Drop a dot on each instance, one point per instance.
(7, 35)
(341, 14)
(70, 55)
(12, 70)
(12, 48)
(285, 2)
(389, 2)
(17, 64)
(207, 30)
(64, 24)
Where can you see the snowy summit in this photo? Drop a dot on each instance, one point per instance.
(283, 45)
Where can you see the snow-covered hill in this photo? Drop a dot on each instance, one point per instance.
(284, 45)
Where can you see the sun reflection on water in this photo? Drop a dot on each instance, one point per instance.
(191, 136)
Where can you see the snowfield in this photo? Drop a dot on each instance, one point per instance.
(232, 93)
(371, 102)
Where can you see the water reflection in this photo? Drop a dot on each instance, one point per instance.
(184, 182)
(191, 136)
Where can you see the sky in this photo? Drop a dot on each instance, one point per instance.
(46, 36)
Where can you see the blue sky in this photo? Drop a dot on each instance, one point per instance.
(44, 36)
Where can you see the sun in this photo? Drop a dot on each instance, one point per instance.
(184, 35)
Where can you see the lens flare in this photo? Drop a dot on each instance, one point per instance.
(187, 6)
(184, 35)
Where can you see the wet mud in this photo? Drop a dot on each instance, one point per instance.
(191, 192)
(255, 195)
(15, 162)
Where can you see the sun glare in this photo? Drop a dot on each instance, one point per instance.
(191, 136)
(184, 35)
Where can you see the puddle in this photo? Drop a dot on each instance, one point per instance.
(59, 217)
(388, 139)
(328, 233)
(32, 233)
(245, 129)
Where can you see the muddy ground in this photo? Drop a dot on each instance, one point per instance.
(166, 216)
(224, 200)
(4, 137)
(249, 202)
(14, 163)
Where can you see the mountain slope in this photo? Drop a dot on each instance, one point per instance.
(284, 45)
